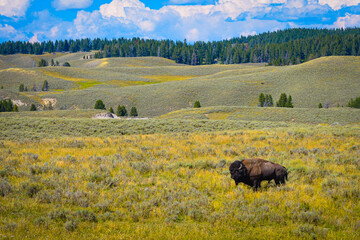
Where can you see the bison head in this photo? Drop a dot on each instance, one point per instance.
(238, 171)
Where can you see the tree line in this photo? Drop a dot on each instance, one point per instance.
(282, 47)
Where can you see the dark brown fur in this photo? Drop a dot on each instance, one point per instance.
(253, 171)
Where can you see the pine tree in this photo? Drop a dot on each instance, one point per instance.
(45, 86)
(99, 104)
(42, 63)
(320, 105)
(2, 107)
(261, 100)
(354, 103)
(32, 107)
(21, 88)
(15, 109)
(282, 100)
(121, 111)
(268, 101)
(289, 102)
(197, 104)
(9, 105)
(66, 64)
(111, 110)
(133, 112)
(52, 62)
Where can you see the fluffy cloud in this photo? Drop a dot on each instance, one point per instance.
(71, 4)
(349, 20)
(9, 32)
(212, 20)
(337, 4)
(14, 8)
(117, 8)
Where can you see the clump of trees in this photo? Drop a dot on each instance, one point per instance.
(354, 103)
(133, 112)
(197, 104)
(44, 88)
(66, 64)
(265, 100)
(8, 106)
(121, 111)
(42, 63)
(285, 101)
(99, 104)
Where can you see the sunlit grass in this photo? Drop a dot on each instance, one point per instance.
(167, 78)
(177, 186)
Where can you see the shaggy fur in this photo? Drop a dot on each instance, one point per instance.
(253, 171)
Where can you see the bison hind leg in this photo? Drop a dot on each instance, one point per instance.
(277, 182)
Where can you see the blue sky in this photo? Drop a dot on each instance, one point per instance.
(205, 20)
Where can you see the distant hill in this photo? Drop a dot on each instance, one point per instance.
(156, 86)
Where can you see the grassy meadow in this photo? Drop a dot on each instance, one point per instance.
(177, 185)
(66, 175)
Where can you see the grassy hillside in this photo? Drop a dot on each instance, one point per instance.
(295, 115)
(157, 86)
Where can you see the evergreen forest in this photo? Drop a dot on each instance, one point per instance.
(282, 47)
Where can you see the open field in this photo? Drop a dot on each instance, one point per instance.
(294, 115)
(65, 175)
(177, 185)
(157, 86)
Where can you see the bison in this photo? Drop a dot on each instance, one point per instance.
(253, 171)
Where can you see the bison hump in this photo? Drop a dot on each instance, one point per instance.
(254, 166)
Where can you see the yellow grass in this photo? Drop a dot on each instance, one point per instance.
(167, 78)
(182, 193)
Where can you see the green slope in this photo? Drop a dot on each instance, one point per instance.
(157, 86)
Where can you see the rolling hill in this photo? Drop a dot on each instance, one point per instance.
(157, 86)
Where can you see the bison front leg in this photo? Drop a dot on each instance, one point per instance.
(256, 185)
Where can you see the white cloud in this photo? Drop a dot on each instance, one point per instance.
(349, 20)
(117, 8)
(193, 35)
(221, 19)
(34, 39)
(14, 8)
(71, 4)
(147, 26)
(9, 32)
(337, 4)
(189, 11)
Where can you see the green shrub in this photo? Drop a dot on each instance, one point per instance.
(71, 225)
(5, 188)
(197, 104)
(133, 112)
(32, 107)
(21, 88)
(354, 103)
(99, 104)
